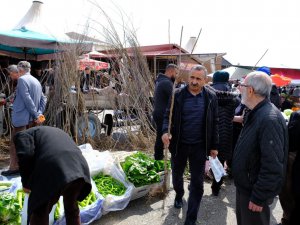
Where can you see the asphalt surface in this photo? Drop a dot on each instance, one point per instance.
(213, 210)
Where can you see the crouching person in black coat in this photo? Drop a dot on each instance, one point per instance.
(51, 165)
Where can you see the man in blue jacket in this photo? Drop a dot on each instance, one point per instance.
(260, 156)
(28, 106)
(194, 136)
(163, 91)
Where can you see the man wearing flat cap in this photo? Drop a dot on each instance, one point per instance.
(29, 105)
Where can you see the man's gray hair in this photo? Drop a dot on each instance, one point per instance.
(199, 68)
(24, 65)
(260, 82)
(12, 68)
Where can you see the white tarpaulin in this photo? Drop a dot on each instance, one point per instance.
(235, 73)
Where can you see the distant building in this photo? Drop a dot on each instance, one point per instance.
(214, 61)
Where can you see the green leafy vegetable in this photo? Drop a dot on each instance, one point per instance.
(141, 170)
(56, 212)
(10, 209)
(159, 165)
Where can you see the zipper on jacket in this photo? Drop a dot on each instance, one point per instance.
(209, 103)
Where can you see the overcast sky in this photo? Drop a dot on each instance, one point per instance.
(243, 30)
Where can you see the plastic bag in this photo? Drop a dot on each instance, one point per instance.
(97, 161)
(88, 214)
(217, 168)
(112, 202)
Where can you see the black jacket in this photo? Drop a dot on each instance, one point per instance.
(211, 122)
(275, 97)
(294, 146)
(260, 156)
(49, 159)
(294, 132)
(227, 103)
(163, 91)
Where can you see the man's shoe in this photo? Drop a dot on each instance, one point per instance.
(215, 191)
(8, 173)
(189, 222)
(178, 203)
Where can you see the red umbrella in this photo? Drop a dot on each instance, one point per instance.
(92, 64)
(280, 81)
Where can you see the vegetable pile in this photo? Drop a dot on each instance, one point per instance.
(108, 185)
(56, 212)
(4, 185)
(90, 199)
(10, 208)
(141, 170)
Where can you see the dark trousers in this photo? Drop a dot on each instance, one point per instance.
(245, 216)
(13, 164)
(295, 214)
(70, 193)
(286, 196)
(159, 146)
(196, 155)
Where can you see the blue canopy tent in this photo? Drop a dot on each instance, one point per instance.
(28, 44)
(30, 40)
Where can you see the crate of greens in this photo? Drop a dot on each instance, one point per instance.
(143, 172)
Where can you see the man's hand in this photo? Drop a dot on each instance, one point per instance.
(40, 119)
(2, 102)
(213, 153)
(26, 190)
(166, 139)
(254, 208)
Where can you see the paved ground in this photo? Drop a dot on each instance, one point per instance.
(213, 210)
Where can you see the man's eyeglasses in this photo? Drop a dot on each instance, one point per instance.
(244, 85)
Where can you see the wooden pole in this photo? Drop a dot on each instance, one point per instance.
(260, 59)
(196, 41)
(166, 149)
(169, 31)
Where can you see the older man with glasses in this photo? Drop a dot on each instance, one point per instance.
(29, 104)
(260, 156)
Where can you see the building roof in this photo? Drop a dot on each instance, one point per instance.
(158, 50)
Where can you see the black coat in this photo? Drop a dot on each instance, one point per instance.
(294, 146)
(49, 159)
(294, 132)
(211, 122)
(162, 93)
(260, 157)
(275, 97)
(227, 103)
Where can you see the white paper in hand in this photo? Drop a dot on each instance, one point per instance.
(217, 168)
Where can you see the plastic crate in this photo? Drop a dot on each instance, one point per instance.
(162, 179)
(140, 192)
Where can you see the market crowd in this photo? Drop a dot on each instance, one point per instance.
(242, 125)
